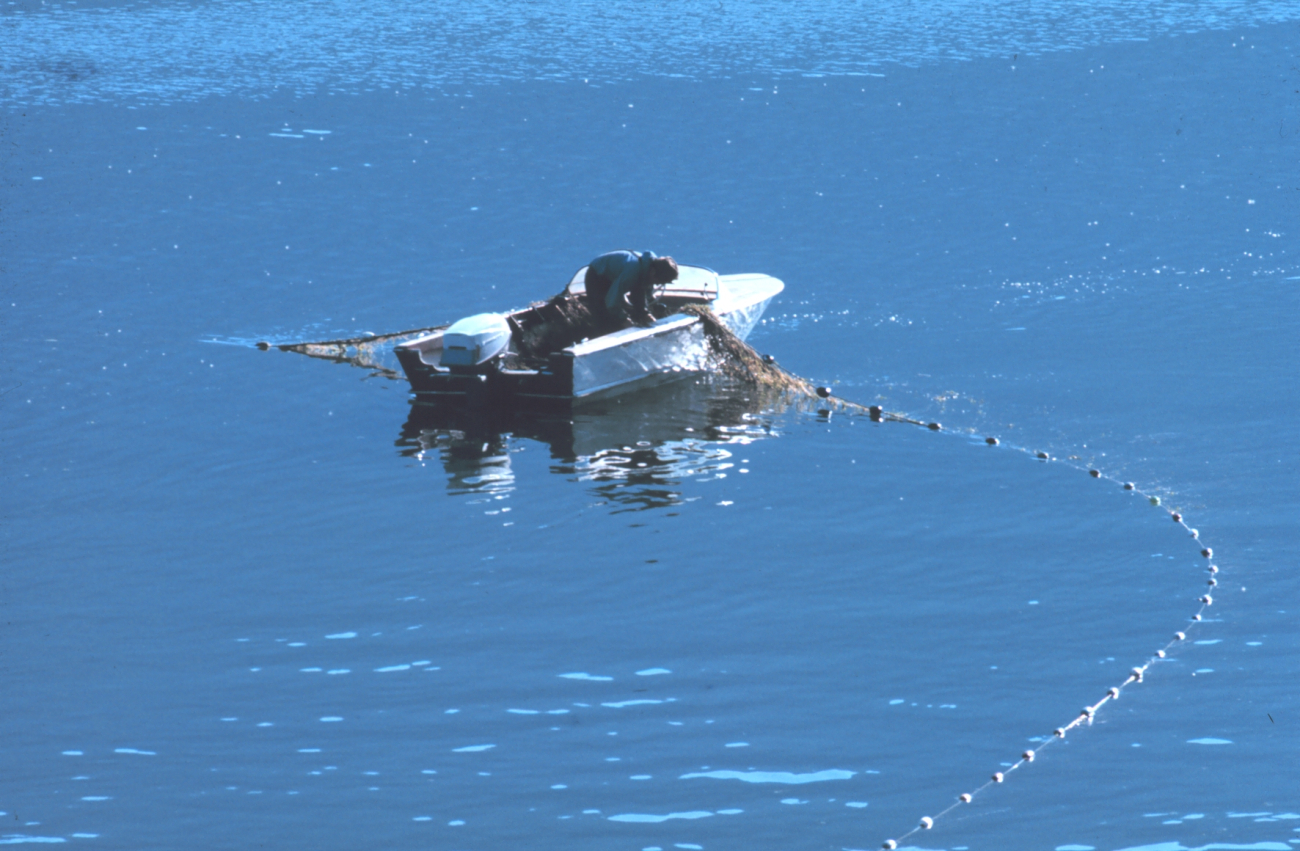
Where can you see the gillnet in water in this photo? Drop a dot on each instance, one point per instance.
(372, 351)
(560, 322)
(736, 359)
(739, 361)
(565, 320)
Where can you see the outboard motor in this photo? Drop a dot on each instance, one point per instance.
(475, 342)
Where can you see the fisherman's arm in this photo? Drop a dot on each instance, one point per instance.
(620, 287)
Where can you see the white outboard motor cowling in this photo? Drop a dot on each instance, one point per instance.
(475, 340)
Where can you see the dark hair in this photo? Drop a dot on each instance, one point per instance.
(664, 269)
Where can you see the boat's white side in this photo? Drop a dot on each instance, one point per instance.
(672, 345)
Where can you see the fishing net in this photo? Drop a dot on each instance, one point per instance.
(568, 318)
(371, 351)
(478, 459)
(736, 359)
(554, 325)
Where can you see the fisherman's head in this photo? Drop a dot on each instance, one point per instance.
(663, 270)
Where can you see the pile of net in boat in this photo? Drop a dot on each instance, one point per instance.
(554, 325)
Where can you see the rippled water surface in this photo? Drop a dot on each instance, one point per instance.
(253, 597)
(161, 51)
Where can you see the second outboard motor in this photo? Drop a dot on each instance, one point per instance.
(471, 344)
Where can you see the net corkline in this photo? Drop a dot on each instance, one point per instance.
(739, 361)
(735, 359)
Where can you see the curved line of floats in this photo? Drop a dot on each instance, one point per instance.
(1086, 715)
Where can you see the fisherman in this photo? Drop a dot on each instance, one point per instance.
(621, 283)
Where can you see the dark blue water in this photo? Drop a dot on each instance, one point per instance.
(251, 598)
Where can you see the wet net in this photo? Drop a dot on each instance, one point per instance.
(550, 326)
(737, 360)
(371, 351)
(554, 325)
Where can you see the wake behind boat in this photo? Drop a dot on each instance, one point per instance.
(565, 350)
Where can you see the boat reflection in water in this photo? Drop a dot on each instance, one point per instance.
(634, 449)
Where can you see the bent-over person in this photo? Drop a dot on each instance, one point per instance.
(621, 283)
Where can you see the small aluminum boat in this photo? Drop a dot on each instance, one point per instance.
(524, 357)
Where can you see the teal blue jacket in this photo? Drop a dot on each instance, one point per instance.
(625, 270)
